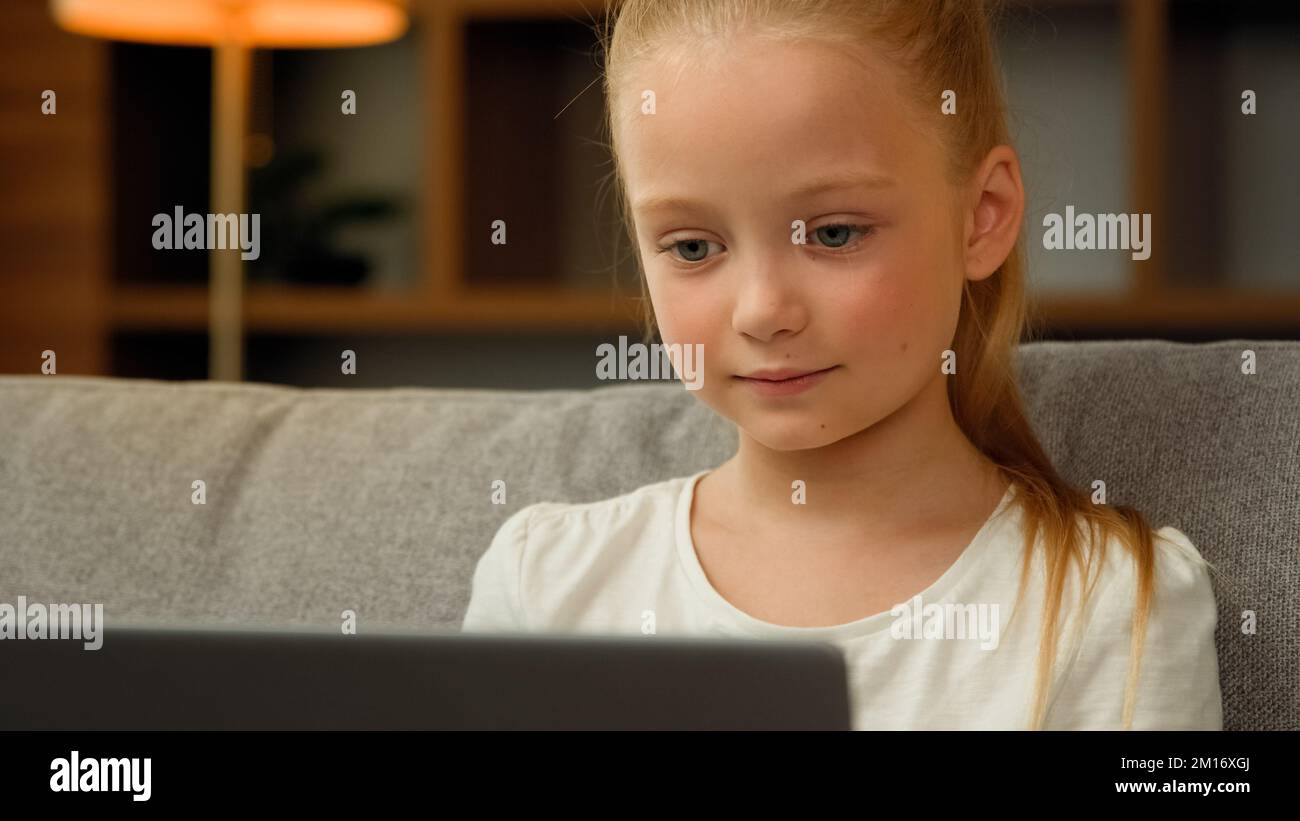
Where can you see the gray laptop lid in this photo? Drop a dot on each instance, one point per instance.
(239, 678)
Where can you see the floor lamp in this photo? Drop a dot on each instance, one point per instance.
(232, 28)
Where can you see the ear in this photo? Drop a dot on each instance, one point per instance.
(997, 208)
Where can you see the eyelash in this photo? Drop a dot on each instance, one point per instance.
(864, 230)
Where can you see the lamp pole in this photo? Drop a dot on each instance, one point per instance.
(231, 61)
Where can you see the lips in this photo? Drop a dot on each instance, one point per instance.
(780, 374)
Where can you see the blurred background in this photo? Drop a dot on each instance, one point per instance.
(375, 225)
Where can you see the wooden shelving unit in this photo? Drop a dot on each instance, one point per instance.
(444, 297)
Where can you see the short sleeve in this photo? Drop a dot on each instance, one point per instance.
(494, 602)
(1178, 684)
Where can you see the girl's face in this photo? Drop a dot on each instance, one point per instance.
(730, 158)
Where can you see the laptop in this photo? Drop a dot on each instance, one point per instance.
(239, 678)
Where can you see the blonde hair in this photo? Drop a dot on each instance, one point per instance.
(942, 44)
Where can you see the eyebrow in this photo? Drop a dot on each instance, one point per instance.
(819, 185)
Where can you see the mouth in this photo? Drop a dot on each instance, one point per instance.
(780, 375)
(791, 382)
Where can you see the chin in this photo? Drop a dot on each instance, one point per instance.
(793, 434)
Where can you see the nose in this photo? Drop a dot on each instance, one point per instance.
(767, 299)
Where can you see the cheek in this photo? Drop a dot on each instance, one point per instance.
(894, 312)
(909, 294)
(683, 312)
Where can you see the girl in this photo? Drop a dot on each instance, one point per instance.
(823, 194)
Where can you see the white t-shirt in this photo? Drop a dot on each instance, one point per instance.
(597, 567)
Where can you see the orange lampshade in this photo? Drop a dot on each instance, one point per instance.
(256, 23)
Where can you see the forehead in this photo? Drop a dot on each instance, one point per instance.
(764, 117)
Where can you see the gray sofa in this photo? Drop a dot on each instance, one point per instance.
(379, 501)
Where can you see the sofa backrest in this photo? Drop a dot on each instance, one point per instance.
(381, 501)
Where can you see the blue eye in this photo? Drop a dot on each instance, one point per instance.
(700, 246)
(839, 234)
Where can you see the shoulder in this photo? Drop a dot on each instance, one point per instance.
(1178, 683)
(543, 550)
(1181, 575)
(1181, 587)
(543, 523)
